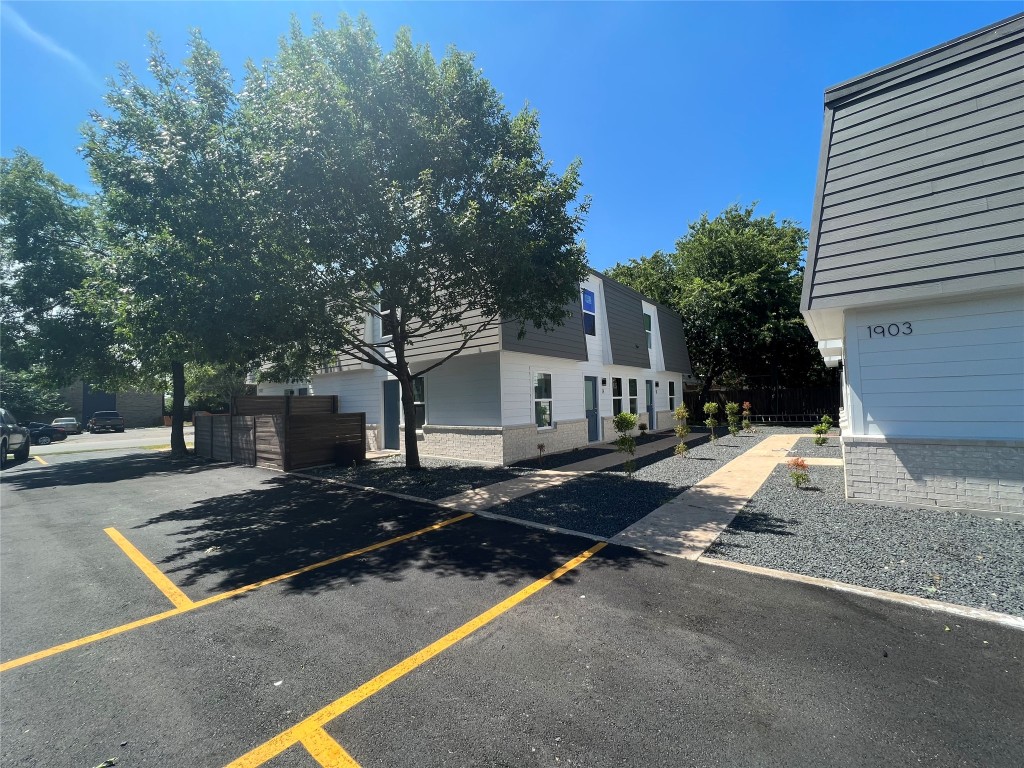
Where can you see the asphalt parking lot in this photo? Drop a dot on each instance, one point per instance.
(162, 613)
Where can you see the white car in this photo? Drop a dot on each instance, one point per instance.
(69, 424)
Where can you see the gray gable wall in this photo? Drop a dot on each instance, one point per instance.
(625, 324)
(566, 341)
(673, 341)
(921, 179)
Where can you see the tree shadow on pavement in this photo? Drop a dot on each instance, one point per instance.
(231, 541)
(748, 524)
(113, 469)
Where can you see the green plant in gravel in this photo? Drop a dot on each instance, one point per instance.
(732, 416)
(624, 424)
(798, 471)
(747, 427)
(711, 411)
(540, 452)
(642, 426)
(682, 429)
(821, 430)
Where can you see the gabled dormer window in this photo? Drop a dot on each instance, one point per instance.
(589, 313)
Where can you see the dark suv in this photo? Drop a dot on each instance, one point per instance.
(13, 438)
(106, 421)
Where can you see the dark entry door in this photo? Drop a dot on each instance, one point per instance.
(650, 405)
(590, 406)
(392, 413)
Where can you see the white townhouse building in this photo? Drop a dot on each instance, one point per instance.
(915, 273)
(500, 397)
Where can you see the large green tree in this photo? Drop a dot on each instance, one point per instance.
(736, 281)
(184, 280)
(398, 186)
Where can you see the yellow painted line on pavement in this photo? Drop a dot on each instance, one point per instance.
(178, 598)
(88, 639)
(41, 461)
(325, 750)
(299, 732)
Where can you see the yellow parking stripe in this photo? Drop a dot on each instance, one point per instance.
(299, 732)
(178, 598)
(41, 461)
(22, 660)
(325, 750)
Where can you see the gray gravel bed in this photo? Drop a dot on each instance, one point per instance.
(606, 502)
(957, 558)
(806, 448)
(437, 479)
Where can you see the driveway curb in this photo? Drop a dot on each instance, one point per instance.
(963, 611)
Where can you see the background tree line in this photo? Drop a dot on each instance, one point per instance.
(736, 280)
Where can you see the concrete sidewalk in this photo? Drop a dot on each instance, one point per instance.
(687, 525)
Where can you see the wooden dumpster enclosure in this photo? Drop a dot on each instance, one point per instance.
(286, 432)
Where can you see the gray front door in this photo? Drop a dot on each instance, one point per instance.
(650, 405)
(590, 406)
(392, 414)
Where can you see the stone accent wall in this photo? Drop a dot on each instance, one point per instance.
(141, 409)
(521, 441)
(472, 443)
(983, 475)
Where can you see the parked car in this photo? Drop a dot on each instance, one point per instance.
(14, 438)
(69, 424)
(106, 421)
(44, 434)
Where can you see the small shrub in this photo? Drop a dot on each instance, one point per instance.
(711, 411)
(732, 415)
(625, 423)
(682, 429)
(798, 471)
(540, 452)
(682, 449)
(747, 410)
(821, 430)
(642, 426)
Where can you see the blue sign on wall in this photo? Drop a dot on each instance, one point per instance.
(588, 301)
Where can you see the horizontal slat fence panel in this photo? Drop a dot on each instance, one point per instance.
(243, 440)
(313, 439)
(220, 440)
(258, 405)
(202, 434)
(270, 431)
(313, 404)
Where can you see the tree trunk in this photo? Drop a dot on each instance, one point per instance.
(178, 449)
(412, 446)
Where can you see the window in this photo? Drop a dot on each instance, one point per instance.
(632, 397)
(289, 392)
(647, 330)
(589, 313)
(419, 400)
(671, 395)
(385, 326)
(303, 391)
(542, 399)
(616, 397)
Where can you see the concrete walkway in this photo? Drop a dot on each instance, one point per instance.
(687, 525)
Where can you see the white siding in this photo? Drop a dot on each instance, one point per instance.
(959, 373)
(657, 356)
(465, 391)
(277, 388)
(357, 391)
(517, 371)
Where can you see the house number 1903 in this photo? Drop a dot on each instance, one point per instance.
(892, 329)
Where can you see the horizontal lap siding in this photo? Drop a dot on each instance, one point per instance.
(958, 374)
(924, 183)
(566, 341)
(440, 343)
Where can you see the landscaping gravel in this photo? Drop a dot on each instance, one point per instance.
(438, 478)
(606, 502)
(958, 558)
(806, 448)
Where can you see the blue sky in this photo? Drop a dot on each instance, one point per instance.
(673, 108)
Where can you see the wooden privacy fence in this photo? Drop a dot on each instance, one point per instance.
(291, 439)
